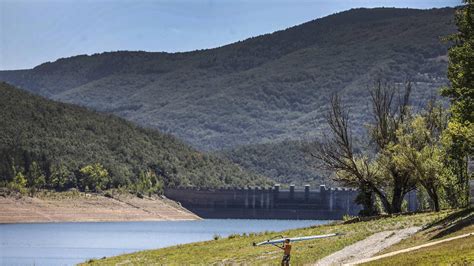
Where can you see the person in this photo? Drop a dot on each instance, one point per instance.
(286, 253)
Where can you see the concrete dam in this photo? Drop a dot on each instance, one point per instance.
(268, 203)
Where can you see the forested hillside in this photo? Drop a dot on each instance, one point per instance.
(286, 162)
(268, 88)
(46, 144)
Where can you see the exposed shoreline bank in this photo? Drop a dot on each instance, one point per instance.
(83, 207)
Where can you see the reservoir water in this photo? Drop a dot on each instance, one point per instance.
(71, 243)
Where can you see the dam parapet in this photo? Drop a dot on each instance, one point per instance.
(268, 203)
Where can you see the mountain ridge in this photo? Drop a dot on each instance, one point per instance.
(266, 88)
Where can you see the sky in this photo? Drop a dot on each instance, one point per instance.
(37, 31)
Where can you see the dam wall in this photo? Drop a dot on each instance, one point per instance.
(268, 203)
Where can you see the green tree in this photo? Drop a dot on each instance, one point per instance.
(457, 140)
(419, 151)
(94, 177)
(409, 151)
(461, 93)
(147, 182)
(375, 171)
(461, 66)
(36, 176)
(389, 116)
(20, 180)
(336, 153)
(59, 177)
(18, 183)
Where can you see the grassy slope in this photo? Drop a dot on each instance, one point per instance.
(240, 250)
(460, 251)
(72, 136)
(457, 252)
(267, 88)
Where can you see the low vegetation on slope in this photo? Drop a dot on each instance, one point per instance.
(45, 144)
(239, 248)
(266, 88)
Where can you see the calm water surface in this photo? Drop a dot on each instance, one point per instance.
(71, 243)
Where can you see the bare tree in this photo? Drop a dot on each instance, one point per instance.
(389, 116)
(380, 175)
(336, 153)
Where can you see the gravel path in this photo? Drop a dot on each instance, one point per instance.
(368, 247)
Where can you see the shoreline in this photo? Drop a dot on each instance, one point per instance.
(76, 207)
(362, 238)
(96, 221)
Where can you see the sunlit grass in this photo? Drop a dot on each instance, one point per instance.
(239, 248)
(459, 251)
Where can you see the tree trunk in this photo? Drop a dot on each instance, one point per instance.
(436, 202)
(468, 187)
(433, 195)
(366, 199)
(397, 198)
(386, 204)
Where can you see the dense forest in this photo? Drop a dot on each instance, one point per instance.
(46, 144)
(267, 88)
(286, 162)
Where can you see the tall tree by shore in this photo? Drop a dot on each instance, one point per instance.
(459, 136)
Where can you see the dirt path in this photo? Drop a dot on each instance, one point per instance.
(368, 247)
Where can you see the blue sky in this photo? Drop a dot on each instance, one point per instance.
(37, 31)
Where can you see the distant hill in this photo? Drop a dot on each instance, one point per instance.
(286, 162)
(267, 88)
(40, 137)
